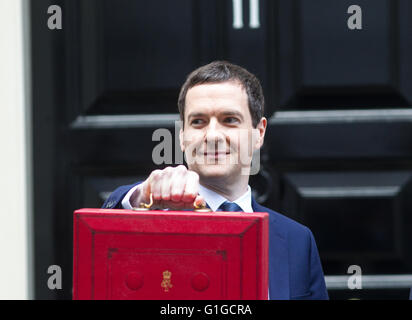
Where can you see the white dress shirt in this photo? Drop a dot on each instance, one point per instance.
(215, 200)
(126, 200)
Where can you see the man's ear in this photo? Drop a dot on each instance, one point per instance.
(260, 131)
(181, 141)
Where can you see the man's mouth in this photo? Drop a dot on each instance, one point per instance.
(215, 154)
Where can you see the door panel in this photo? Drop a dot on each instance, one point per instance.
(325, 65)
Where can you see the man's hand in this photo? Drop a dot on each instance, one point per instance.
(173, 187)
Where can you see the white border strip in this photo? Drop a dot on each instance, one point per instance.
(28, 143)
(14, 138)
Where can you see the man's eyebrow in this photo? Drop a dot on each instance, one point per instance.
(196, 114)
(225, 113)
(233, 113)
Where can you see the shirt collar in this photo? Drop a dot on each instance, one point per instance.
(215, 200)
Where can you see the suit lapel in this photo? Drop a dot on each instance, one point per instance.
(278, 257)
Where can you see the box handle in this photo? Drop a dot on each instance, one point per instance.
(145, 207)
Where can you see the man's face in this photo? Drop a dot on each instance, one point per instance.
(218, 137)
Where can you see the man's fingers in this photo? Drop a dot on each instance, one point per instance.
(155, 182)
(173, 188)
(166, 184)
(199, 202)
(191, 187)
(178, 183)
(146, 190)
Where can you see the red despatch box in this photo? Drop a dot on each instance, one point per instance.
(151, 255)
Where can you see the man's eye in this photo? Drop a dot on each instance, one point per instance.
(231, 120)
(196, 121)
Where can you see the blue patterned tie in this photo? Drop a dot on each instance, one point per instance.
(230, 207)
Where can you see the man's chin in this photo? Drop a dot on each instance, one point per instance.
(214, 171)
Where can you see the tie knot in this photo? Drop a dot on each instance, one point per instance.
(230, 207)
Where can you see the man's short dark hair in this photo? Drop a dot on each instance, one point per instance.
(222, 71)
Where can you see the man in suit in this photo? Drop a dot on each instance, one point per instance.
(222, 106)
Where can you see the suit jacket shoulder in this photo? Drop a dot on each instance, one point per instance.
(295, 267)
(114, 201)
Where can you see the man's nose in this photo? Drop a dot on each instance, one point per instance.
(214, 132)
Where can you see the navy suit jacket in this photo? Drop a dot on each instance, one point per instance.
(295, 270)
